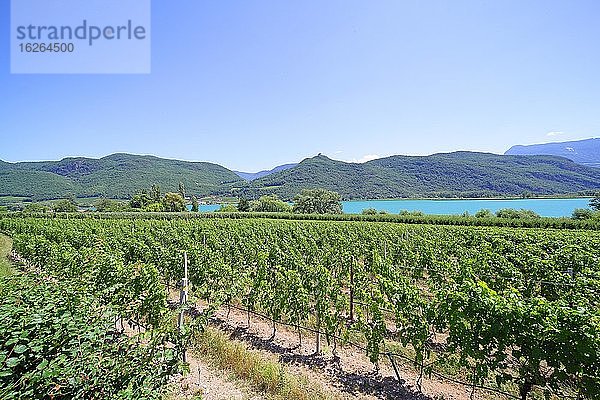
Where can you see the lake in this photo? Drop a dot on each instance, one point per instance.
(543, 207)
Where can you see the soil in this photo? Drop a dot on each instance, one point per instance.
(208, 384)
(349, 372)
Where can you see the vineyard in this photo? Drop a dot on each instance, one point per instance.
(514, 309)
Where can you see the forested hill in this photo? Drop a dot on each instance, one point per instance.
(115, 176)
(463, 174)
(585, 152)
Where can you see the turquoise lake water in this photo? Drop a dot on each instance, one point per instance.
(544, 207)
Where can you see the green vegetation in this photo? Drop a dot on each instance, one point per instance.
(62, 324)
(516, 307)
(108, 205)
(153, 202)
(118, 176)
(6, 268)
(59, 342)
(484, 213)
(271, 204)
(227, 208)
(244, 205)
(173, 202)
(460, 174)
(416, 213)
(195, 205)
(317, 201)
(543, 222)
(65, 206)
(595, 202)
(266, 375)
(36, 208)
(511, 213)
(585, 214)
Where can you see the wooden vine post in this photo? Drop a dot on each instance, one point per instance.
(352, 290)
(183, 297)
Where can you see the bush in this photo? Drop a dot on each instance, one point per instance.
(35, 208)
(318, 201)
(270, 203)
(369, 211)
(108, 205)
(511, 213)
(416, 213)
(582, 213)
(65, 206)
(154, 207)
(243, 205)
(227, 208)
(484, 213)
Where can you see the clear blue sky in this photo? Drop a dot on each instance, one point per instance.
(252, 84)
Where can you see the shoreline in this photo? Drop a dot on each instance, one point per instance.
(471, 198)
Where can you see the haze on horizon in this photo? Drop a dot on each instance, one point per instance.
(257, 84)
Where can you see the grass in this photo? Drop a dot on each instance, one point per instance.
(264, 374)
(5, 247)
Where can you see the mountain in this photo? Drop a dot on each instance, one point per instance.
(115, 176)
(585, 152)
(459, 174)
(250, 176)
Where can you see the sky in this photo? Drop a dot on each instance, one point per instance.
(253, 84)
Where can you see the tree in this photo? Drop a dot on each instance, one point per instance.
(195, 207)
(108, 205)
(181, 190)
(318, 201)
(35, 208)
(243, 205)
(67, 205)
(484, 213)
(227, 208)
(141, 200)
(155, 193)
(173, 202)
(511, 213)
(270, 203)
(154, 207)
(595, 202)
(414, 213)
(582, 213)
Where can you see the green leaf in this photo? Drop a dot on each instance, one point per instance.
(20, 349)
(12, 362)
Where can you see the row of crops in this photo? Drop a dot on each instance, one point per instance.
(67, 333)
(516, 307)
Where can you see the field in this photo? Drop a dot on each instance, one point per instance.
(509, 309)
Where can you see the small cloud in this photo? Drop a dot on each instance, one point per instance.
(338, 152)
(367, 157)
(554, 133)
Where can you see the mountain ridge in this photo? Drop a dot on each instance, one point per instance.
(456, 174)
(585, 152)
(250, 176)
(443, 175)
